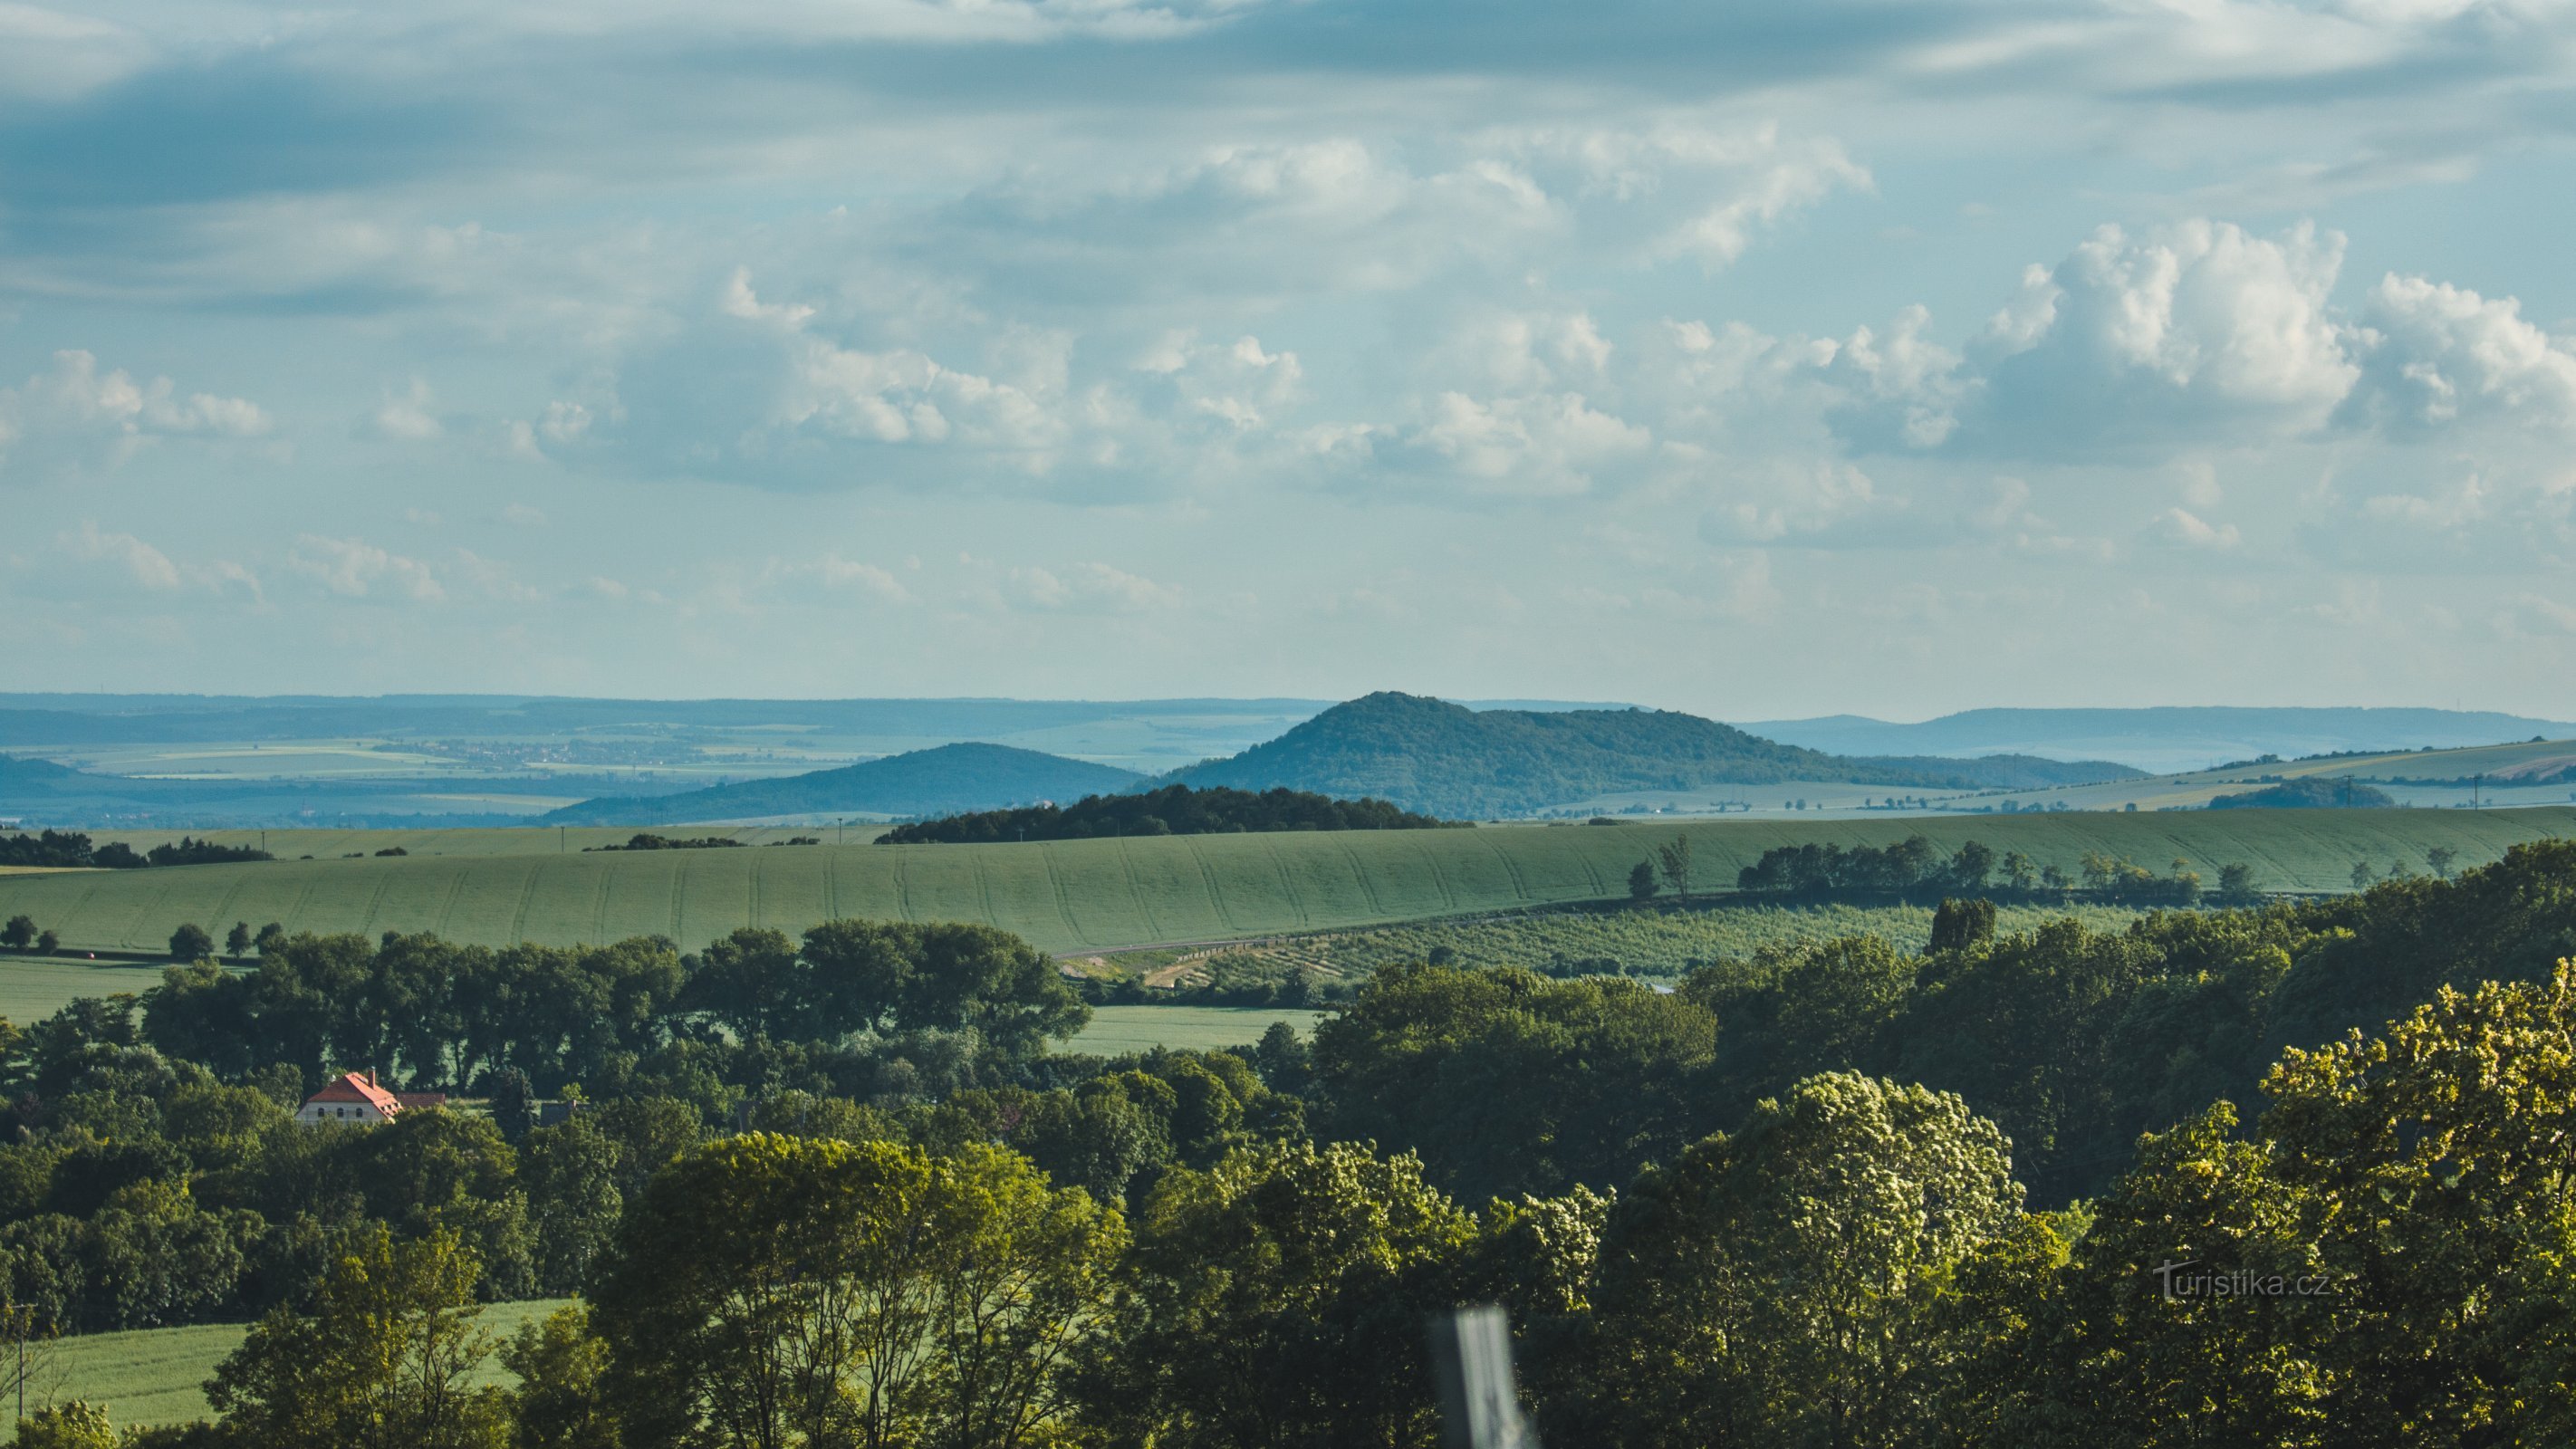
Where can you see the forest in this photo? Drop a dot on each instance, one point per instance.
(1170, 810)
(2297, 1169)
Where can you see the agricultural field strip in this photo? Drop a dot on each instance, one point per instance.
(155, 1376)
(1068, 896)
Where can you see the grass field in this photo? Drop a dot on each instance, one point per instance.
(1093, 895)
(1116, 1030)
(154, 1375)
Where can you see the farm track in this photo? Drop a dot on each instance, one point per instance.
(1080, 896)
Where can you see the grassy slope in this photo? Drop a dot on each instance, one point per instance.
(154, 1375)
(1102, 894)
(1116, 1030)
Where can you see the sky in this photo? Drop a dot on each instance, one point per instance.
(1758, 359)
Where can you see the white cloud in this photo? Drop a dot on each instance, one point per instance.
(147, 566)
(408, 418)
(356, 569)
(2188, 529)
(2434, 354)
(1548, 444)
(1090, 588)
(524, 515)
(75, 413)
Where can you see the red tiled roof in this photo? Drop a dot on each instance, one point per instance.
(421, 1099)
(352, 1087)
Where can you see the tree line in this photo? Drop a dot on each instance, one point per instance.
(1171, 810)
(1833, 1194)
(72, 850)
(1915, 869)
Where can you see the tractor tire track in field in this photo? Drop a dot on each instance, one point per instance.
(1520, 884)
(1064, 897)
(983, 886)
(1367, 877)
(447, 903)
(1218, 910)
(375, 904)
(1431, 862)
(751, 895)
(599, 908)
(674, 873)
(1287, 881)
(1135, 893)
(527, 897)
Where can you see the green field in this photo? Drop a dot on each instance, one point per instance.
(1093, 895)
(1117, 1030)
(154, 1375)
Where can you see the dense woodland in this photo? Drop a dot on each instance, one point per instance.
(1914, 869)
(1171, 810)
(70, 849)
(1832, 1194)
(2310, 793)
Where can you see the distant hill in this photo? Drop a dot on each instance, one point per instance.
(1445, 759)
(946, 780)
(2162, 740)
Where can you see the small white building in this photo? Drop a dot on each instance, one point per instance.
(356, 1098)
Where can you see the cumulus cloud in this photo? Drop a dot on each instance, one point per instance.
(2433, 354)
(2190, 530)
(408, 418)
(356, 569)
(75, 413)
(1090, 588)
(147, 567)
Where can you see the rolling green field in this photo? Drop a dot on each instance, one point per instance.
(155, 1375)
(1117, 1030)
(1093, 895)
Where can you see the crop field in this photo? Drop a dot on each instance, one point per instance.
(1094, 895)
(155, 1375)
(1117, 1030)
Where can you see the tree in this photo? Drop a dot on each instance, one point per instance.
(2440, 859)
(1642, 885)
(47, 943)
(270, 937)
(237, 940)
(383, 1358)
(1278, 1299)
(191, 943)
(19, 934)
(2020, 871)
(770, 1290)
(2362, 875)
(1773, 1286)
(78, 1424)
(513, 1102)
(1674, 860)
(2236, 883)
(1958, 925)
(560, 1404)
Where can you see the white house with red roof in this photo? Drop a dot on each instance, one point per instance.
(352, 1097)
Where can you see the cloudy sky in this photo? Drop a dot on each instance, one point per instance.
(1752, 359)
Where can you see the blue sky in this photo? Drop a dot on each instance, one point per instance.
(1759, 360)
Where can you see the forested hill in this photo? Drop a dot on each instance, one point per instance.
(1444, 759)
(1171, 810)
(941, 781)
